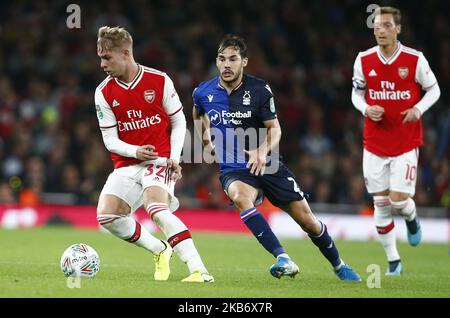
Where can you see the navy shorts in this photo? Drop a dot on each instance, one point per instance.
(280, 188)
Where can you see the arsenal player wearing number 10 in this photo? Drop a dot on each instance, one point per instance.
(388, 80)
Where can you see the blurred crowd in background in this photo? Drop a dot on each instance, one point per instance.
(50, 142)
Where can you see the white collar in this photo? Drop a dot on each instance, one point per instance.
(393, 56)
(134, 82)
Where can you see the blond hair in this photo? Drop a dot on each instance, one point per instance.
(112, 37)
(396, 14)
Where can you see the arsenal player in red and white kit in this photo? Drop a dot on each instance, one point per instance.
(143, 126)
(388, 81)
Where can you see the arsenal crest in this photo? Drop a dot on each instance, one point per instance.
(403, 72)
(149, 96)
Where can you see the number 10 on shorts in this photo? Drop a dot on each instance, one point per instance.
(411, 172)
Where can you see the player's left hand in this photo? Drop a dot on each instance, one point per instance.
(411, 115)
(256, 162)
(174, 169)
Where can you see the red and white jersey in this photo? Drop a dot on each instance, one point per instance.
(139, 111)
(394, 84)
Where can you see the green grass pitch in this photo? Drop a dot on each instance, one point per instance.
(29, 267)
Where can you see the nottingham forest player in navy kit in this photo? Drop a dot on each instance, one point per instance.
(234, 108)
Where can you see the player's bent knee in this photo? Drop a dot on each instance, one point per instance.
(111, 204)
(155, 194)
(399, 205)
(108, 213)
(112, 210)
(398, 197)
(398, 200)
(242, 202)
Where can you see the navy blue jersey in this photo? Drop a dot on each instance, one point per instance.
(248, 106)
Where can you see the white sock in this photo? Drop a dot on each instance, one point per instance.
(405, 208)
(130, 230)
(283, 255)
(177, 235)
(385, 227)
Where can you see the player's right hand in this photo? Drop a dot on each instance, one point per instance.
(375, 112)
(146, 152)
(256, 161)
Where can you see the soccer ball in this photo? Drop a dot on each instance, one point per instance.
(80, 260)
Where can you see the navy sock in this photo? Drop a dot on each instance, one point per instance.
(262, 231)
(326, 246)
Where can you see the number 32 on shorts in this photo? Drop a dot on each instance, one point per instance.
(157, 171)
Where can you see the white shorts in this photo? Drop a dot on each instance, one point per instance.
(391, 173)
(129, 183)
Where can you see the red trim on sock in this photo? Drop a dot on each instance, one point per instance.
(178, 238)
(103, 222)
(136, 235)
(153, 212)
(385, 229)
(156, 208)
(382, 203)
